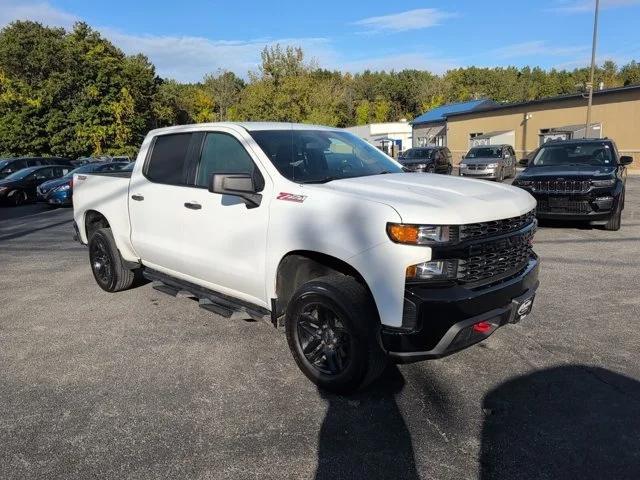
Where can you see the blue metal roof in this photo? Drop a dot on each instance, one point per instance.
(439, 114)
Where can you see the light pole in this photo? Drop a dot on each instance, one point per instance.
(593, 67)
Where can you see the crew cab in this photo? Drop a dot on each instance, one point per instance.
(581, 179)
(316, 231)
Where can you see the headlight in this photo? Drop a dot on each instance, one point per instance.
(62, 188)
(433, 270)
(3, 189)
(523, 183)
(463, 165)
(418, 234)
(492, 165)
(609, 182)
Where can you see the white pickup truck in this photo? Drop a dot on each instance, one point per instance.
(313, 229)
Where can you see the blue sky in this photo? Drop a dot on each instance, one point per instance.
(186, 39)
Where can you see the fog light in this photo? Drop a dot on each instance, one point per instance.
(433, 270)
(604, 203)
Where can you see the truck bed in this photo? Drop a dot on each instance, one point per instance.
(107, 193)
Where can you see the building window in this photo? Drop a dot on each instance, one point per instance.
(474, 135)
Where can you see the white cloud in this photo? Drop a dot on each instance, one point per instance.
(536, 47)
(401, 22)
(588, 6)
(43, 12)
(187, 58)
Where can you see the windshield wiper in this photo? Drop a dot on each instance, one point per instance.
(321, 180)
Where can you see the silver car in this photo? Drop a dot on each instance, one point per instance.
(493, 162)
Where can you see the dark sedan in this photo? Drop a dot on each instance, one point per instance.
(20, 187)
(13, 165)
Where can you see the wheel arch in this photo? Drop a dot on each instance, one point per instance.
(300, 266)
(94, 220)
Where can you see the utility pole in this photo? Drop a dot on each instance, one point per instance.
(593, 67)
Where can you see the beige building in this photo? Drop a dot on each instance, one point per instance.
(615, 114)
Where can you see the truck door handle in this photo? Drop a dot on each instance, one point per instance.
(193, 205)
(137, 198)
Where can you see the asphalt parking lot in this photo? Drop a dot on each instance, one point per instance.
(141, 385)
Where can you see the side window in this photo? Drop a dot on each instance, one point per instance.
(17, 165)
(44, 173)
(168, 159)
(222, 153)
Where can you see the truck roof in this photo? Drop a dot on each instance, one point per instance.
(249, 126)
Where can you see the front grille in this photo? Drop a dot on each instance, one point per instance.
(495, 227)
(565, 206)
(561, 186)
(476, 167)
(493, 260)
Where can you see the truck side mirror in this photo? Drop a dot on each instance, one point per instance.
(523, 161)
(238, 185)
(626, 159)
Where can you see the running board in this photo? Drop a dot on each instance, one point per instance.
(210, 300)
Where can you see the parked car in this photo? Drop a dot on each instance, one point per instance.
(315, 229)
(578, 180)
(427, 159)
(60, 190)
(120, 158)
(493, 162)
(12, 165)
(20, 187)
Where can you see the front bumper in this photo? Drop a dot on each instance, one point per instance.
(491, 173)
(58, 198)
(595, 205)
(447, 316)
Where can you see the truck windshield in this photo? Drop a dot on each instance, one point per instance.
(484, 152)
(320, 156)
(587, 153)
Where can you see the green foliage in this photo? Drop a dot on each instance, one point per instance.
(70, 93)
(73, 93)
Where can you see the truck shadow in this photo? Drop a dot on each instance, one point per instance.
(574, 421)
(365, 436)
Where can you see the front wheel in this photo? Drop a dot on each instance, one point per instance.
(500, 176)
(616, 219)
(18, 197)
(331, 326)
(106, 262)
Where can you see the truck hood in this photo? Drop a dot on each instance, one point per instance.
(555, 171)
(437, 199)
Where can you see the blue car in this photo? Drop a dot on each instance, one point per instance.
(60, 191)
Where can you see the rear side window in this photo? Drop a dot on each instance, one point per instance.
(168, 159)
(222, 153)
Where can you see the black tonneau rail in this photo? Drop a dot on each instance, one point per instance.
(110, 174)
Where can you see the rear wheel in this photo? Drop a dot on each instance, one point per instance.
(106, 262)
(331, 326)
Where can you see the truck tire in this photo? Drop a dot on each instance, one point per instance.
(332, 326)
(616, 219)
(106, 262)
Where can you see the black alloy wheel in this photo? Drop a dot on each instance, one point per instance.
(101, 262)
(324, 339)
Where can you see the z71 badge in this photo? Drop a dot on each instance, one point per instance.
(291, 197)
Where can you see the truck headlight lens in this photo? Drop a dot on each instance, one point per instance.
(433, 270)
(609, 182)
(62, 188)
(418, 234)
